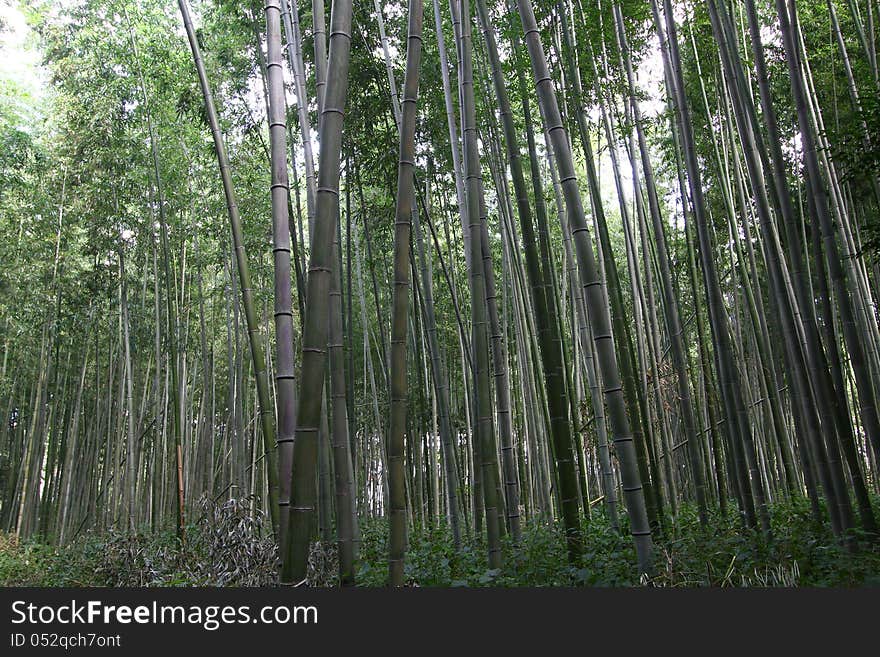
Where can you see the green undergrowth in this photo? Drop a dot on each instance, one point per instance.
(225, 546)
(686, 555)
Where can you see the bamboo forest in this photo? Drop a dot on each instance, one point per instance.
(449, 293)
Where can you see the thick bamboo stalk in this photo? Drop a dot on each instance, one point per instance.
(316, 321)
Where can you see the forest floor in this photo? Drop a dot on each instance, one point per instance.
(226, 546)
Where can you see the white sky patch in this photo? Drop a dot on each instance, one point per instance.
(19, 58)
(649, 77)
(650, 83)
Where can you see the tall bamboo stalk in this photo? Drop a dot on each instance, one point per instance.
(267, 412)
(594, 290)
(316, 321)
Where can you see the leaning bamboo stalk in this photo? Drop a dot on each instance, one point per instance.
(267, 411)
(597, 300)
(671, 308)
(290, 18)
(548, 335)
